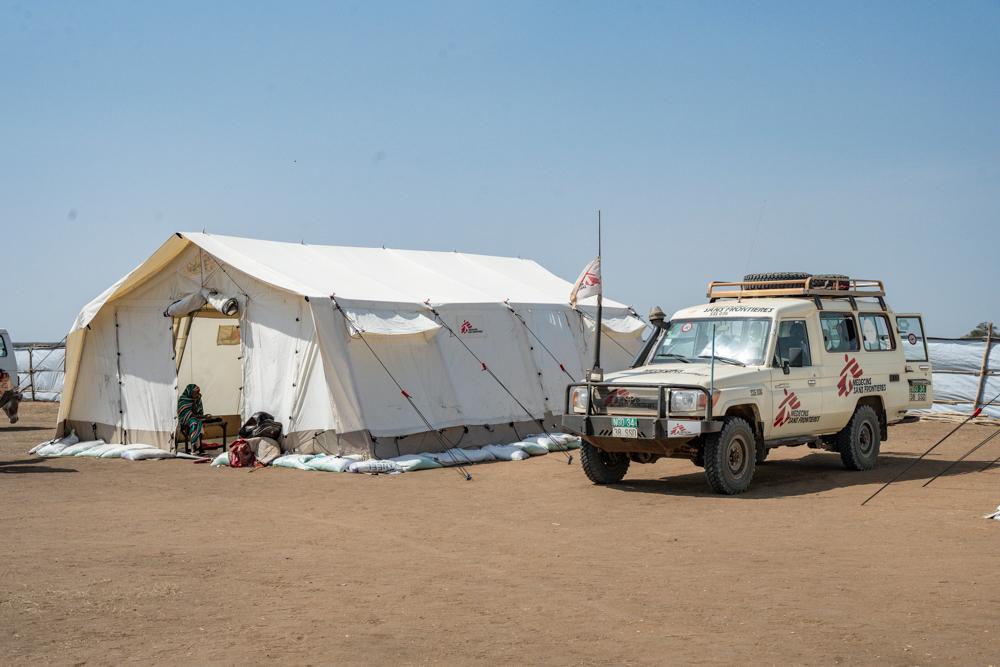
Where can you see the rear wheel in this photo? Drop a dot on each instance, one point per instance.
(860, 440)
(602, 467)
(730, 457)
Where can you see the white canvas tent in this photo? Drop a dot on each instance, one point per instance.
(319, 330)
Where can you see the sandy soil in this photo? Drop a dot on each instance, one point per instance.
(172, 563)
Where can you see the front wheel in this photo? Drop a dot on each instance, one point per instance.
(730, 457)
(602, 467)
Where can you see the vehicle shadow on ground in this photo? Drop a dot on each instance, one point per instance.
(810, 474)
(29, 466)
(17, 429)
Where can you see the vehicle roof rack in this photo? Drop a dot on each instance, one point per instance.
(814, 287)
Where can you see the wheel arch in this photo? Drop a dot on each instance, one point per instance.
(749, 412)
(875, 403)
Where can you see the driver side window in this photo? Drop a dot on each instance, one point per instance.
(793, 344)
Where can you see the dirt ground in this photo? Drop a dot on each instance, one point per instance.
(110, 561)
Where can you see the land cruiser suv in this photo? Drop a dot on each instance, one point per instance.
(773, 360)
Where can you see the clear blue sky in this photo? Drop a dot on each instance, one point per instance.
(865, 138)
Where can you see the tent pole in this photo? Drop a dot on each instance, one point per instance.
(985, 367)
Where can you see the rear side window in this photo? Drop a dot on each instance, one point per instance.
(840, 333)
(876, 334)
(911, 333)
(3, 347)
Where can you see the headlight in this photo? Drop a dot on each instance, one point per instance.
(685, 400)
(579, 398)
(689, 400)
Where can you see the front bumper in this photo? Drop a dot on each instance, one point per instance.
(650, 428)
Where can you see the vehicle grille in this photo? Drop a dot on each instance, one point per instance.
(610, 400)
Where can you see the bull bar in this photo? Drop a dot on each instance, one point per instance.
(649, 427)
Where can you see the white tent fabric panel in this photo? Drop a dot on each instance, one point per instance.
(338, 373)
(273, 339)
(553, 329)
(501, 343)
(388, 322)
(149, 389)
(99, 397)
(417, 365)
(313, 406)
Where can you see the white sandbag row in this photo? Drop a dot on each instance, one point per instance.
(98, 449)
(535, 445)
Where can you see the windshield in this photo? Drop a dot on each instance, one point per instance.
(736, 339)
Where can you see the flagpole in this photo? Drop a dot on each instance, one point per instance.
(596, 373)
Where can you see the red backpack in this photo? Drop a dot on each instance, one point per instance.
(240, 454)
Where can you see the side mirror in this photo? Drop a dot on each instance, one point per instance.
(795, 357)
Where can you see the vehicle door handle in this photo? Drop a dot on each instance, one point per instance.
(781, 385)
(924, 367)
(812, 382)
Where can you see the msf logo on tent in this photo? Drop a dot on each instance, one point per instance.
(790, 403)
(467, 328)
(850, 372)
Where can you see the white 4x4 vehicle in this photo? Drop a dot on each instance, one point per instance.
(774, 360)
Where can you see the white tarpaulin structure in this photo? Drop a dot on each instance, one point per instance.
(965, 374)
(318, 332)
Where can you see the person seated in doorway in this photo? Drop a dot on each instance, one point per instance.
(191, 416)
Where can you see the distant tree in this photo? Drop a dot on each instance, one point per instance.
(980, 331)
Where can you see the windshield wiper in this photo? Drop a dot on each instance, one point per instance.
(671, 355)
(726, 360)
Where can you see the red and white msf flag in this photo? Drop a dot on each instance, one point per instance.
(588, 284)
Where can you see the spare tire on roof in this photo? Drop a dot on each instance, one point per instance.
(831, 281)
(789, 275)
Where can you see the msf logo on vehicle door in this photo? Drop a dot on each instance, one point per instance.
(848, 374)
(791, 402)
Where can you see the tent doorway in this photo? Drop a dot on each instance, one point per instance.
(208, 353)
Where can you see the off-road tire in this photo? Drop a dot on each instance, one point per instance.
(730, 457)
(793, 275)
(859, 441)
(602, 467)
(831, 281)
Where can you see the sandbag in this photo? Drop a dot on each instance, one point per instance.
(457, 456)
(532, 447)
(294, 461)
(264, 449)
(95, 452)
(115, 451)
(329, 463)
(409, 462)
(507, 452)
(51, 449)
(73, 450)
(65, 441)
(375, 466)
(146, 454)
(555, 442)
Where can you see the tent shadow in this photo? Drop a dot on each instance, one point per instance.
(29, 466)
(810, 474)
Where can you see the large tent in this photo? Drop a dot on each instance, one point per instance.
(351, 349)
